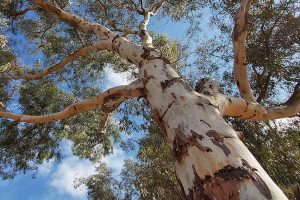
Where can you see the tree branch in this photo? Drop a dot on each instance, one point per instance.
(81, 52)
(238, 107)
(106, 110)
(114, 94)
(146, 38)
(126, 49)
(79, 23)
(22, 12)
(240, 63)
(153, 10)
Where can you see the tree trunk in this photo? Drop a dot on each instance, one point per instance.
(211, 161)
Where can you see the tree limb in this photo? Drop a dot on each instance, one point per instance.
(107, 108)
(22, 12)
(146, 38)
(114, 94)
(126, 49)
(238, 107)
(81, 52)
(79, 23)
(153, 10)
(240, 63)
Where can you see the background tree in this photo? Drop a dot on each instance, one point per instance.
(123, 17)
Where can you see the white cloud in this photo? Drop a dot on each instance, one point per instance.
(45, 168)
(116, 160)
(113, 79)
(63, 178)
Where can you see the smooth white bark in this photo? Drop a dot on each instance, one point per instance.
(240, 62)
(211, 161)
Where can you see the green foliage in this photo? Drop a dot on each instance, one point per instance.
(277, 149)
(151, 176)
(154, 155)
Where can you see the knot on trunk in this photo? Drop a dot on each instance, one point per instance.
(207, 86)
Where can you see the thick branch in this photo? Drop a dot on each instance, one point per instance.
(81, 52)
(153, 10)
(146, 38)
(126, 49)
(240, 63)
(73, 20)
(113, 94)
(238, 107)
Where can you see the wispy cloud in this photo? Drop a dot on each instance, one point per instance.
(63, 178)
(113, 79)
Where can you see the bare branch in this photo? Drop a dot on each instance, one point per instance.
(107, 108)
(133, 90)
(120, 45)
(146, 38)
(81, 52)
(240, 63)
(238, 107)
(22, 12)
(79, 23)
(153, 10)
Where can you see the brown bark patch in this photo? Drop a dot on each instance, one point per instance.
(157, 119)
(115, 44)
(217, 136)
(240, 135)
(222, 146)
(168, 83)
(182, 143)
(225, 184)
(147, 52)
(146, 77)
(218, 140)
(258, 182)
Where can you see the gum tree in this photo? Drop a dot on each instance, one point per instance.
(211, 161)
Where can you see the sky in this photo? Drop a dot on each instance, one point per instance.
(56, 182)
